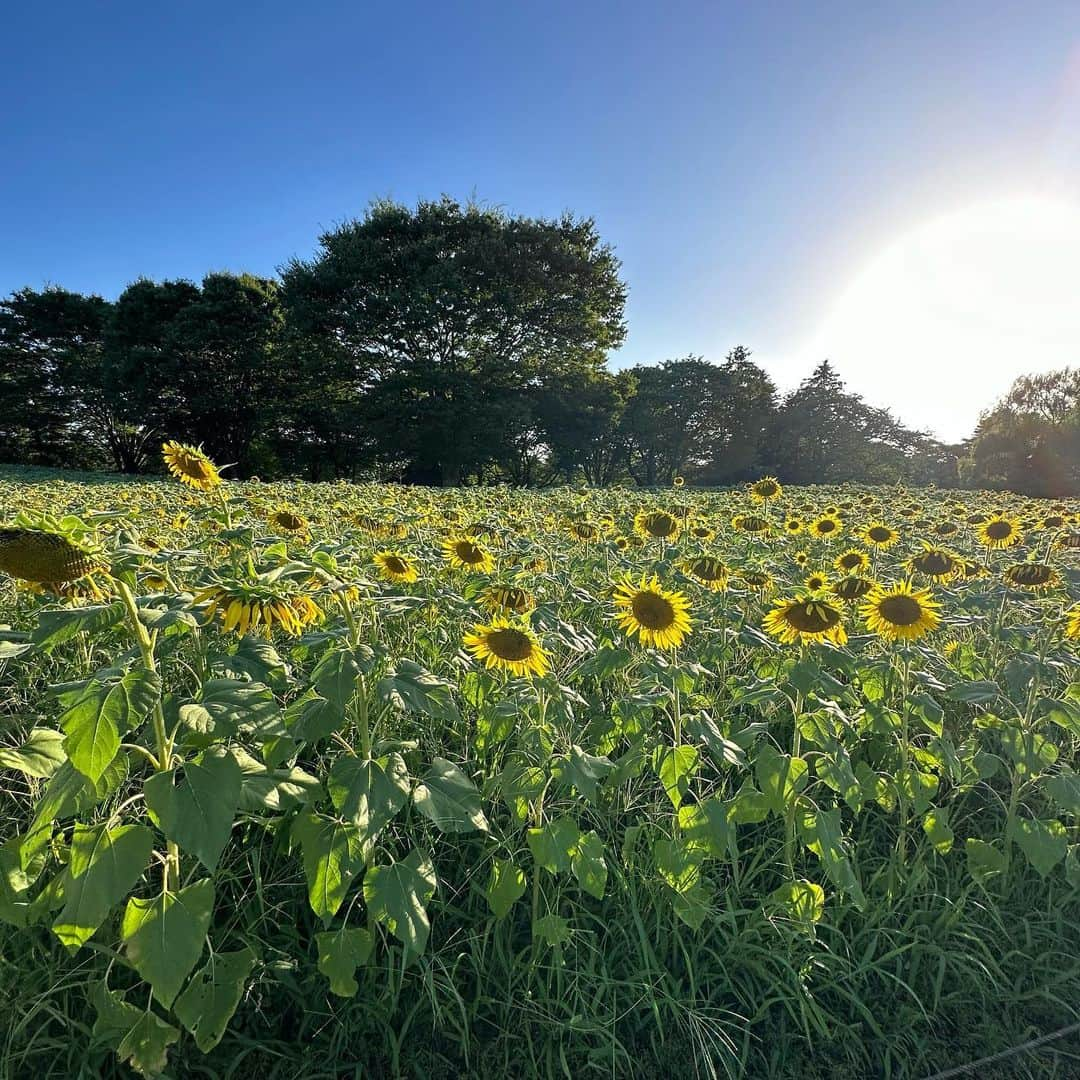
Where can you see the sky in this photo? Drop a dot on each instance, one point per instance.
(894, 186)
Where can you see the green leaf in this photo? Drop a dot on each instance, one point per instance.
(164, 936)
(506, 886)
(520, 785)
(449, 799)
(93, 735)
(552, 929)
(333, 856)
(103, 868)
(983, 860)
(1043, 842)
(552, 844)
(975, 693)
(62, 624)
(198, 813)
(918, 787)
(821, 832)
(676, 767)
(397, 896)
(1029, 752)
(273, 789)
(749, 806)
(588, 865)
(936, 826)
(802, 901)
(341, 952)
(708, 825)
(584, 771)
(139, 1036)
(335, 676)
(779, 777)
(229, 706)
(1064, 789)
(39, 756)
(678, 863)
(834, 768)
(208, 1002)
(369, 793)
(411, 688)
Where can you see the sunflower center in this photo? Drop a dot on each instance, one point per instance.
(999, 530)
(879, 534)
(809, 617)
(652, 610)
(826, 526)
(469, 553)
(849, 562)
(900, 610)
(510, 644)
(395, 565)
(707, 569)
(934, 563)
(660, 525)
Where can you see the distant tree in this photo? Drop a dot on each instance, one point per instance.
(448, 315)
(1030, 441)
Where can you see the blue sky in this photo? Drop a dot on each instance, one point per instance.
(746, 160)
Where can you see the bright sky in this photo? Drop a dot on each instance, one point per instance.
(893, 185)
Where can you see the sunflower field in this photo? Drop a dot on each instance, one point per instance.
(334, 780)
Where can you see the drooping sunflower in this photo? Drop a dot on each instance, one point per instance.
(507, 598)
(945, 528)
(707, 571)
(586, 531)
(464, 552)
(936, 563)
(999, 532)
(191, 466)
(759, 580)
(1072, 622)
(397, 567)
(1068, 541)
(701, 531)
(826, 527)
(288, 521)
(656, 615)
(804, 619)
(852, 588)
(852, 561)
(43, 556)
(1031, 575)
(507, 647)
(750, 523)
(768, 487)
(243, 607)
(657, 524)
(879, 535)
(900, 611)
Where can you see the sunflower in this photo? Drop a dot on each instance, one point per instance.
(999, 532)
(852, 561)
(760, 580)
(244, 607)
(396, 567)
(44, 556)
(900, 611)
(191, 466)
(1031, 575)
(1072, 622)
(1068, 541)
(79, 591)
(816, 581)
(945, 528)
(826, 527)
(801, 558)
(499, 599)
(793, 526)
(657, 616)
(768, 487)
(586, 531)
(657, 524)
(463, 552)
(707, 571)
(803, 619)
(288, 521)
(879, 535)
(702, 532)
(936, 563)
(678, 481)
(854, 587)
(749, 523)
(499, 644)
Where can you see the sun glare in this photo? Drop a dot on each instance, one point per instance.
(939, 323)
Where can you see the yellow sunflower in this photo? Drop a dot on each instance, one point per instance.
(750, 523)
(852, 588)
(768, 487)
(852, 561)
(826, 527)
(707, 571)
(900, 611)
(1072, 622)
(288, 521)
(463, 552)
(759, 580)
(500, 645)
(502, 598)
(702, 532)
(243, 608)
(586, 531)
(678, 481)
(879, 535)
(658, 617)
(394, 566)
(191, 466)
(803, 619)
(999, 532)
(936, 563)
(793, 526)
(816, 581)
(1031, 575)
(656, 524)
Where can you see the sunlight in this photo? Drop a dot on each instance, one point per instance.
(940, 322)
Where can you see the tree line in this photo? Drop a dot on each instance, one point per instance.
(452, 343)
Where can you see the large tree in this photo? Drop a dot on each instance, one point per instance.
(448, 315)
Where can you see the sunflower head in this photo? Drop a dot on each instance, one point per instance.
(793, 526)
(852, 561)
(816, 581)
(395, 566)
(826, 527)
(656, 615)
(758, 580)
(750, 523)
(936, 564)
(999, 532)
(768, 487)
(257, 604)
(506, 647)
(586, 531)
(707, 571)
(1072, 623)
(804, 619)
(467, 553)
(702, 532)
(288, 521)
(191, 466)
(44, 556)
(501, 599)
(900, 611)
(678, 481)
(1031, 575)
(853, 587)
(657, 525)
(879, 535)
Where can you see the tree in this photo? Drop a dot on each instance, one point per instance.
(448, 315)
